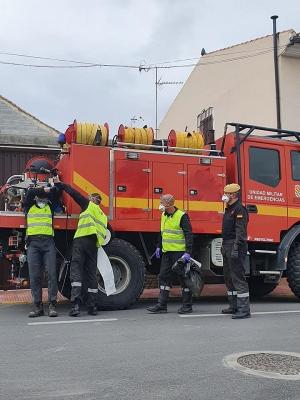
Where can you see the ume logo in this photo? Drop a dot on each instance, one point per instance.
(297, 191)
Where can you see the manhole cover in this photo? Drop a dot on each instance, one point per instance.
(269, 364)
(283, 364)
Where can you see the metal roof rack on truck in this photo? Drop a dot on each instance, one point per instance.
(213, 152)
(279, 133)
(239, 128)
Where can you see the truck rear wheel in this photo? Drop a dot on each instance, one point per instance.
(129, 270)
(293, 268)
(258, 288)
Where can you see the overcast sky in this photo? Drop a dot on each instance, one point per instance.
(130, 32)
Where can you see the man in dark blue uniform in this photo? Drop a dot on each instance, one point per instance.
(234, 251)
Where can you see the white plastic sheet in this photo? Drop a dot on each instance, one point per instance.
(106, 271)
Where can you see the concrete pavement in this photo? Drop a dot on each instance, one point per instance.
(23, 296)
(135, 355)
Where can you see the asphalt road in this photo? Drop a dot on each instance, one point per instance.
(135, 355)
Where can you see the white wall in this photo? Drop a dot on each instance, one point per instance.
(290, 92)
(239, 90)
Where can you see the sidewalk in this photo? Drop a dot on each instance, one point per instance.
(23, 296)
(282, 290)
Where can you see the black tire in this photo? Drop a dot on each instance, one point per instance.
(258, 288)
(129, 271)
(293, 269)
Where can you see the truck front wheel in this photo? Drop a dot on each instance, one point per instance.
(293, 268)
(258, 288)
(129, 269)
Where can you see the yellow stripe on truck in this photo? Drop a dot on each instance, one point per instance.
(294, 212)
(88, 187)
(134, 202)
(276, 211)
(131, 202)
(178, 203)
(205, 206)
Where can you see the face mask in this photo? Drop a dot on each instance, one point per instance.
(162, 208)
(41, 204)
(94, 200)
(225, 198)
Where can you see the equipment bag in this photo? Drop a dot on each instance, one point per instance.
(190, 274)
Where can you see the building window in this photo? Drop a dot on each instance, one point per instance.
(205, 124)
(264, 166)
(295, 160)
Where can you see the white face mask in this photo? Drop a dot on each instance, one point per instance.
(162, 208)
(41, 204)
(225, 198)
(95, 200)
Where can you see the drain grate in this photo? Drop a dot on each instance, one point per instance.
(282, 364)
(268, 364)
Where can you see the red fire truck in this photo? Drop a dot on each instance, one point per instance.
(131, 179)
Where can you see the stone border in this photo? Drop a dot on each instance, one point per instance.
(230, 361)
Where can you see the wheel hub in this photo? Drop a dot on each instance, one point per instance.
(122, 274)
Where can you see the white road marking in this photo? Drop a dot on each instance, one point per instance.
(202, 315)
(252, 313)
(75, 321)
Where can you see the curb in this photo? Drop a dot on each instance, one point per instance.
(23, 296)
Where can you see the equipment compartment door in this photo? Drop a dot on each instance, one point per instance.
(132, 189)
(205, 189)
(168, 178)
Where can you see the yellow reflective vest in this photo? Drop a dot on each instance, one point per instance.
(172, 235)
(39, 221)
(92, 221)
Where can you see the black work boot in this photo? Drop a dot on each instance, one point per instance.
(186, 307)
(232, 305)
(37, 312)
(52, 309)
(243, 308)
(161, 306)
(92, 310)
(75, 310)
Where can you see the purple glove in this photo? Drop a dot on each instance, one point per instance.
(186, 257)
(157, 253)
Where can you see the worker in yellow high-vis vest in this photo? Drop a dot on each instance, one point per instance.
(39, 206)
(175, 241)
(90, 234)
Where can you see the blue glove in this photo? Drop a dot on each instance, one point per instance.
(157, 253)
(186, 257)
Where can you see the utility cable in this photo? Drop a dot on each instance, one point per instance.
(202, 62)
(70, 66)
(212, 55)
(208, 55)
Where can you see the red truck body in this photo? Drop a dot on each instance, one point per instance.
(131, 182)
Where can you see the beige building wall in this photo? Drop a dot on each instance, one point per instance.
(290, 92)
(238, 82)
